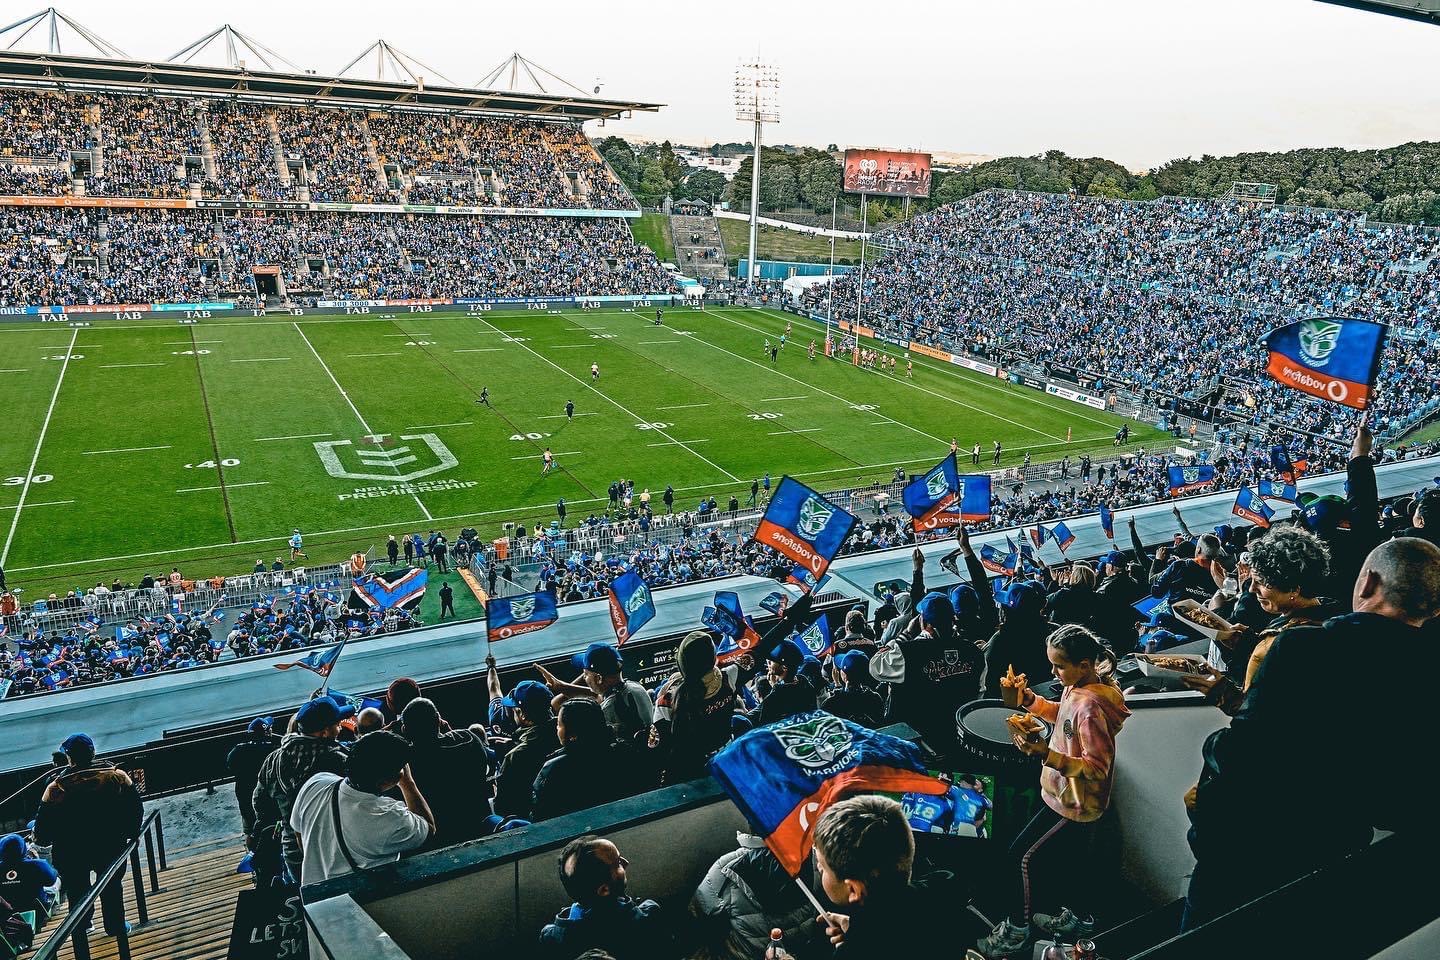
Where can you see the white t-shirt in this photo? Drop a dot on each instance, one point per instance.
(377, 829)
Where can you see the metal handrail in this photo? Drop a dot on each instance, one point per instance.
(6, 802)
(77, 920)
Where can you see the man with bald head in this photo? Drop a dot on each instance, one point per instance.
(1327, 745)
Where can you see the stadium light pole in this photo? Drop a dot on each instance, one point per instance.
(757, 100)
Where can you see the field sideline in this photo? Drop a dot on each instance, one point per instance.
(135, 447)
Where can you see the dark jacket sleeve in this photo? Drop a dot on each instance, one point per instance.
(1140, 555)
(1161, 585)
(49, 823)
(1363, 498)
(980, 580)
(994, 668)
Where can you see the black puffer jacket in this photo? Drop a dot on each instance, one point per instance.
(88, 814)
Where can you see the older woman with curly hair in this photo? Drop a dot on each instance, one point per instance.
(1289, 567)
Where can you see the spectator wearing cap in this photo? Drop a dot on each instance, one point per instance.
(1425, 520)
(1020, 638)
(1253, 824)
(854, 698)
(1115, 616)
(348, 824)
(452, 769)
(790, 693)
(25, 880)
(536, 740)
(590, 768)
(312, 748)
(930, 670)
(243, 763)
(87, 816)
(626, 704)
(594, 875)
(693, 709)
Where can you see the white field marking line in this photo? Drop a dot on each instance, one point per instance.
(17, 370)
(684, 406)
(260, 360)
(778, 399)
(628, 412)
(298, 436)
(777, 433)
(569, 346)
(802, 383)
(348, 402)
(567, 453)
(479, 349)
(561, 416)
(505, 511)
(228, 486)
(91, 453)
(362, 356)
(407, 336)
(980, 380)
(47, 503)
(186, 343)
(916, 386)
(116, 366)
(880, 423)
(35, 457)
(657, 341)
(682, 443)
(432, 426)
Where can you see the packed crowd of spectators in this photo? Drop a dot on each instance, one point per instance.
(41, 128)
(144, 256)
(426, 146)
(1295, 597)
(145, 144)
(1163, 296)
(333, 145)
(574, 153)
(246, 165)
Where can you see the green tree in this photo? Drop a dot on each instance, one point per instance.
(654, 185)
(819, 183)
(704, 185)
(779, 189)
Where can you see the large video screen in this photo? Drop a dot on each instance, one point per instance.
(887, 173)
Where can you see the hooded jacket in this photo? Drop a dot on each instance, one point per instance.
(1080, 768)
(88, 814)
(698, 703)
(745, 895)
(625, 928)
(23, 879)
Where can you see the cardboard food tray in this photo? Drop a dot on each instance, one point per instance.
(1162, 673)
(1181, 607)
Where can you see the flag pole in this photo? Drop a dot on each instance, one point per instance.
(810, 895)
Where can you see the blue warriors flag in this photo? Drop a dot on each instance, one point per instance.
(320, 661)
(1062, 536)
(1107, 522)
(507, 617)
(1271, 490)
(993, 560)
(631, 606)
(1185, 479)
(776, 601)
(804, 526)
(1250, 507)
(1331, 358)
(943, 498)
(1281, 463)
(1038, 535)
(815, 639)
(805, 580)
(726, 617)
(783, 776)
(381, 591)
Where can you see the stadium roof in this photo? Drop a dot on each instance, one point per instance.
(63, 70)
(1425, 11)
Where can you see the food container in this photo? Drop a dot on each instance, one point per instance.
(1147, 665)
(1182, 609)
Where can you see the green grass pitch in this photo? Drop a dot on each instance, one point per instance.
(202, 446)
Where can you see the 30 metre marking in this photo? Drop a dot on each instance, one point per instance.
(326, 367)
(35, 457)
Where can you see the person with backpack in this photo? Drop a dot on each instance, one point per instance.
(88, 815)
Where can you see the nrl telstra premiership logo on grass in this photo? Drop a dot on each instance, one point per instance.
(388, 459)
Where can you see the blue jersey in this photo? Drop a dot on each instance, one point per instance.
(960, 810)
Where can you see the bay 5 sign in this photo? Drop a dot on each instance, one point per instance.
(1331, 358)
(804, 526)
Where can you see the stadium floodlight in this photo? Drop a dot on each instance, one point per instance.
(757, 101)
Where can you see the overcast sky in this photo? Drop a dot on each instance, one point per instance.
(1138, 81)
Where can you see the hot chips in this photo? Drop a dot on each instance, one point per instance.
(1178, 664)
(1012, 679)
(1024, 723)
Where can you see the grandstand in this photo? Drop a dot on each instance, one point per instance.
(412, 324)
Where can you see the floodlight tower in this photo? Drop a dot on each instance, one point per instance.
(757, 100)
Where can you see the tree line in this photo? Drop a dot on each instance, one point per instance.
(1397, 184)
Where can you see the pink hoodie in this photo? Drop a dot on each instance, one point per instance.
(1080, 768)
